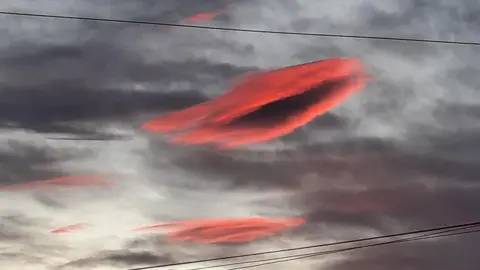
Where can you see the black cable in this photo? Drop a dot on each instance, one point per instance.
(300, 256)
(259, 31)
(304, 256)
(311, 246)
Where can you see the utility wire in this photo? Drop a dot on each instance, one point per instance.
(459, 226)
(231, 29)
(307, 255)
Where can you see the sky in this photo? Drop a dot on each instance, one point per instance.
(401, 155)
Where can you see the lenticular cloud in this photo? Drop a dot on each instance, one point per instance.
(264, 106)
(218, 231)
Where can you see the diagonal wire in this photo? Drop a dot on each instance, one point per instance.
(309, 255)
(438, 229)
(232, 29)
(299, 256)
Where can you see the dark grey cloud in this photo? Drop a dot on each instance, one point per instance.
(22, 163)
(53, 102)
(120, 258)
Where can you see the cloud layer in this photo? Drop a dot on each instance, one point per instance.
(402, 155)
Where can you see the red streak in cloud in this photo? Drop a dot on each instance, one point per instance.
(288, 98)
(224, 230)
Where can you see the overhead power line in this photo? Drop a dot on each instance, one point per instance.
(315, 254)
(308, 255)
(232, 29)
(431, 230)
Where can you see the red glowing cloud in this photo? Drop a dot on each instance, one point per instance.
(264, 106)
(202, 17)
(225, 230)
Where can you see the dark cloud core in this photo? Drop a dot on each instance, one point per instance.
(278, 110)
(400, 155)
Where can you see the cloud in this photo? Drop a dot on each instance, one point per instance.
(120, 258)
(401, 155)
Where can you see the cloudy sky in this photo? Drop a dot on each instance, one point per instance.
(399, 156)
